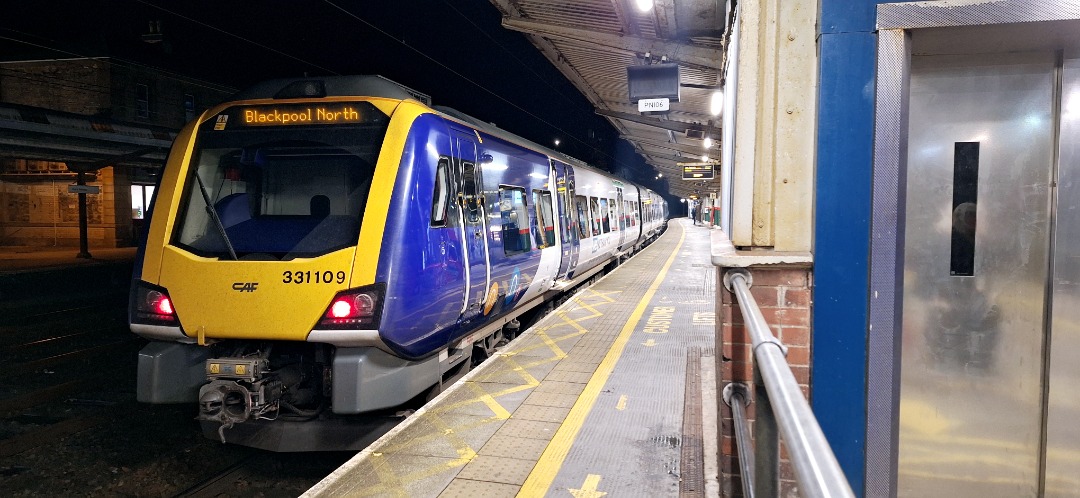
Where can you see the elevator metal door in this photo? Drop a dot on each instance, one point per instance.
(1063, 406)
(978, 218)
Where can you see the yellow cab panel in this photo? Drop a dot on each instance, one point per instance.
(272, 300)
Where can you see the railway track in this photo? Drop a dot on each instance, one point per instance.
(269, 475)
(69, 420)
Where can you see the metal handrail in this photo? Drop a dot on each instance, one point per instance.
(816, 469)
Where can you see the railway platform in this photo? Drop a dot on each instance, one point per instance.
(612, 393)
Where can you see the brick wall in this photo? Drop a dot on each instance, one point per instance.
(783, 294)
(80, 86)
(35, 207)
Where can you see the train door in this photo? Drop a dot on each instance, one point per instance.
(475, 244)
(991, 301)
(620, 214)
(568, 219)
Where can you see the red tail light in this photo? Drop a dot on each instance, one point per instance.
(152, 305)
(354, 308)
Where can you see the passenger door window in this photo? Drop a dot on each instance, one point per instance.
(515, 220)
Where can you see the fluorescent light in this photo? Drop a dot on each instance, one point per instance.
(716, 103)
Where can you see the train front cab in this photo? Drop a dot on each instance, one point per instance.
(264, 252)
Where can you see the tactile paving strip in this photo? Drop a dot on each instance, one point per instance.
(478, 438)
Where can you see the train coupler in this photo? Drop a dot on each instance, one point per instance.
(239, 390)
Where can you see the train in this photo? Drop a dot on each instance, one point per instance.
(320, 249)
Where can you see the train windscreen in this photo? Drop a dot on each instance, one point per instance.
(281, 183)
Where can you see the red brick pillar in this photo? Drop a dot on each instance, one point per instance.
(783, 294)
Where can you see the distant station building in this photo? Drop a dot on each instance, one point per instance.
(113, 116)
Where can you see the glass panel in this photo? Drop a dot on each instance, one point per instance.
(440, 198)
(965, 199)
(605, 216)
(148, 197)
(545, 227)
(515, 220)
(278, 192)
(137, 209)
(581, 221)
(594, 208)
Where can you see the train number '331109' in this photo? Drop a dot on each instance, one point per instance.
(312, 277)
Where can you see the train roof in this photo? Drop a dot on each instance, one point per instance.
(378, 86)
(332, 86)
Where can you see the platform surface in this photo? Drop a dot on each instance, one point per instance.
(611, 394)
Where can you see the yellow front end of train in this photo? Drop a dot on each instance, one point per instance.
(262, 262)
(257, 282)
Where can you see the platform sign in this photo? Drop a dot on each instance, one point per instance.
(697, 171)
(84, 189)
(654, 105)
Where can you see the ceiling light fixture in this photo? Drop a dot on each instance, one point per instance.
(643, 5)
(716, 103)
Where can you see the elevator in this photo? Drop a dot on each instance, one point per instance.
(989, 389)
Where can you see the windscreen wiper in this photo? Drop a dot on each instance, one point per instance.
(214, 216)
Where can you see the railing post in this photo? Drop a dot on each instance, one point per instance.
(737, 396)
(766, 443)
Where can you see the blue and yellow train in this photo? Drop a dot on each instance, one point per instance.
(322, 248)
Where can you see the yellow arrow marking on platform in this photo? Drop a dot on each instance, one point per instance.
(588, 490)
(649, 343)
(621, 405)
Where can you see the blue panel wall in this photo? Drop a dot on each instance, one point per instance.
(845, 140)
(846, 16)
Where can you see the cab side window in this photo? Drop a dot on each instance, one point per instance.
(440, 198)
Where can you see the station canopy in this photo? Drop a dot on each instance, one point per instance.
(593, 42)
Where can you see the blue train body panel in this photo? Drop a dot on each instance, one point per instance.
(423, 267)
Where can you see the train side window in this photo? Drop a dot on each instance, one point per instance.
(581, 206)
(514, 211)
(545, 222)
(614, 214)
(594, 208)
(440, 198)
(605, 216)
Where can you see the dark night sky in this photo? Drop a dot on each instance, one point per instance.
(454, 50)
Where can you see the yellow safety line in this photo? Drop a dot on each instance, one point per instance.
(543, 474)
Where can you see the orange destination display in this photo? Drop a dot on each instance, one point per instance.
(320, 114)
